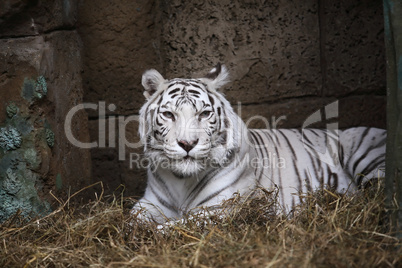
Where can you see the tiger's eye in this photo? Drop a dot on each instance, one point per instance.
(205, 114)
(168, 115)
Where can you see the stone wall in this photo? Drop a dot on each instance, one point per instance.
(40, 81)
(121, 40)
(287, 60)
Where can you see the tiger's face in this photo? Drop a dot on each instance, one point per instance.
(187, 125)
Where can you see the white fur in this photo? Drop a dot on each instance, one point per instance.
(151, 81)
(221, 80)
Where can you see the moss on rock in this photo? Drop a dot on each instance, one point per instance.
(23, 135)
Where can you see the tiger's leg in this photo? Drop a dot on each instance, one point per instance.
(150, 208)
(362, 153)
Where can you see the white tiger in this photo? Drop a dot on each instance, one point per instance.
(201, 152)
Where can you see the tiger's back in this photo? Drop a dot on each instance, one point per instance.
(299, 161)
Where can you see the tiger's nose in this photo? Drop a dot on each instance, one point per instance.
(186, 145)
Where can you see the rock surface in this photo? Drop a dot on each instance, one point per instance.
(40, 81)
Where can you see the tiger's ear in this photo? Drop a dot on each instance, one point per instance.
(151, 81)
(218, 76)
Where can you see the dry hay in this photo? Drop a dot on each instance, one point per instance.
(329, 230)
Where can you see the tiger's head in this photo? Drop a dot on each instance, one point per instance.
(187, 125)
